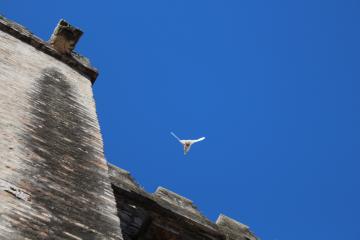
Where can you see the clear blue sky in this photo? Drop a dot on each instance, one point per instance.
(273, 85)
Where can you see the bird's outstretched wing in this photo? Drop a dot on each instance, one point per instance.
(175, 136)
(198, 140)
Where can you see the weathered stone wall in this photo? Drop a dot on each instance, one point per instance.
(53, 176)
(167, 215)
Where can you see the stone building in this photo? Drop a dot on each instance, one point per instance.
(54, 180)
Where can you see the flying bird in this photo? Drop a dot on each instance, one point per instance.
(187, 143)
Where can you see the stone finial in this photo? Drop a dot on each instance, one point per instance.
(65, 37)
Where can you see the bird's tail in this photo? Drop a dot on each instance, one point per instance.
(175, 136)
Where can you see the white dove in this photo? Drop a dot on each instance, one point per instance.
(187, 143)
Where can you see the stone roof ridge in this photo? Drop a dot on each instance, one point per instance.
(175, 199)
(182, 206)
(123, 179)
(234, 229)
(60, 45)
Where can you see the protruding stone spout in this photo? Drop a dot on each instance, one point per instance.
(65, 37)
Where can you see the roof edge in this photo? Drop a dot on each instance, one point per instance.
(180, 206)
(73, 60)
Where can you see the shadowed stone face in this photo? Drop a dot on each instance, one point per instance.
(67, 186)
(54, 180)
(62, 170)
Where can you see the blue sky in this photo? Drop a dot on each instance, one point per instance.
(273, 85)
